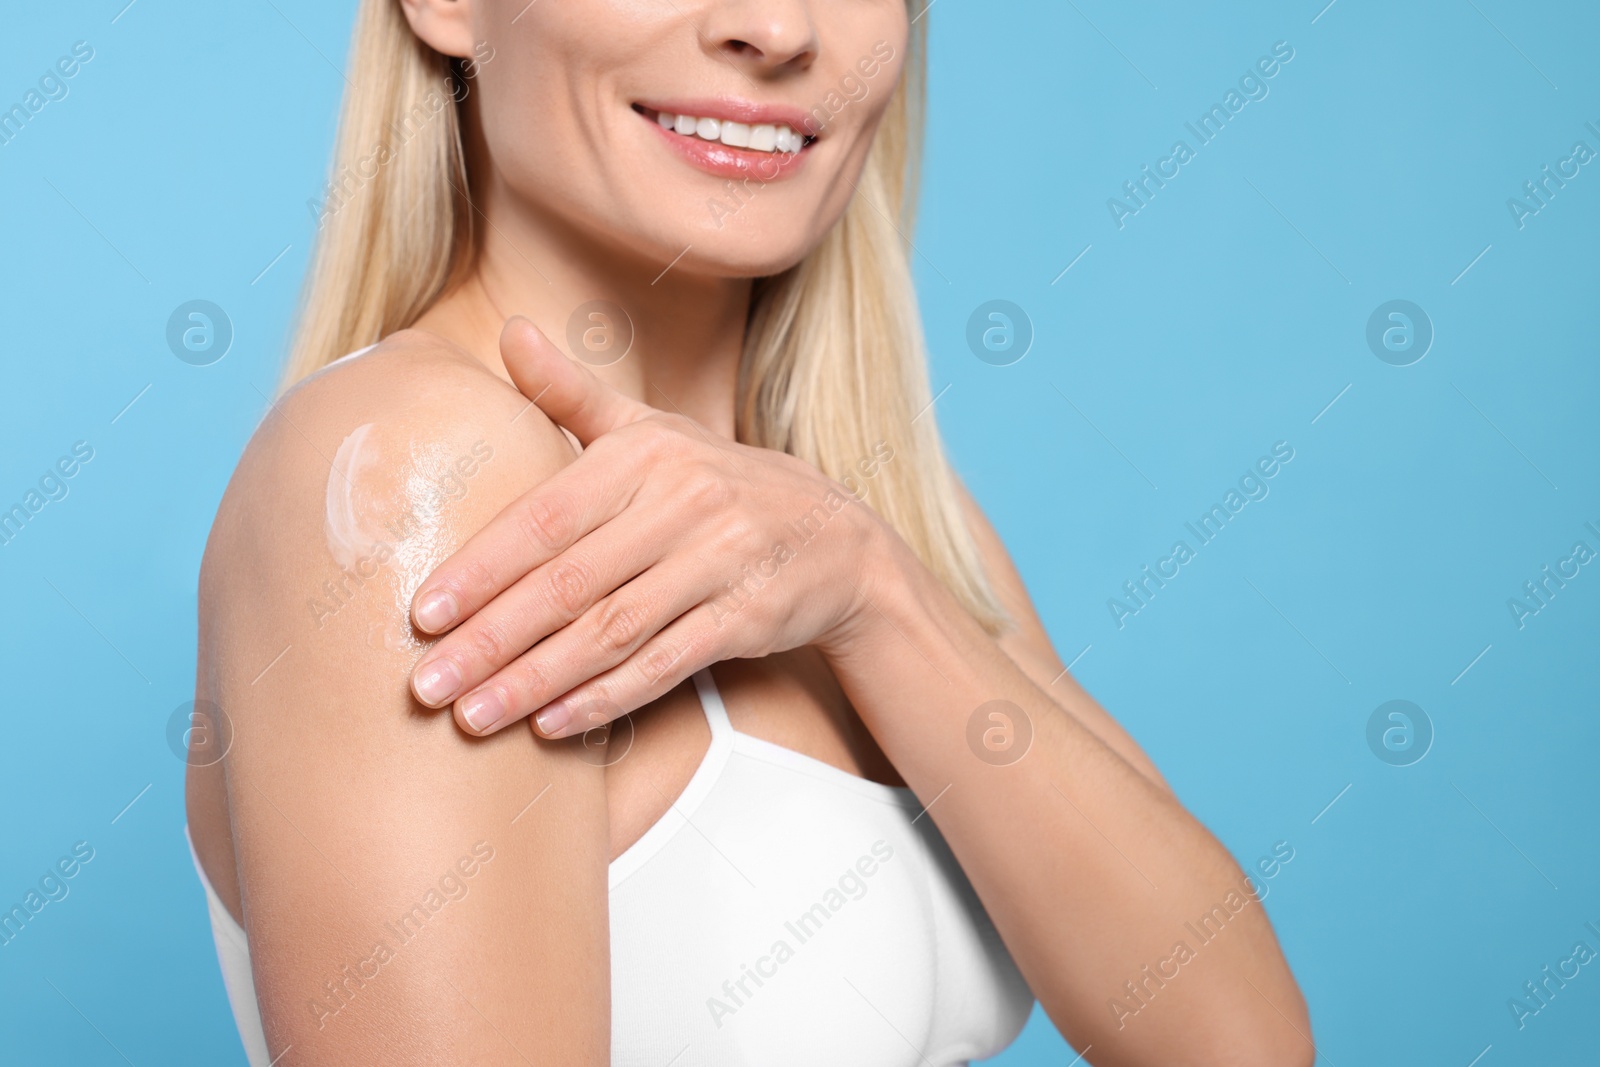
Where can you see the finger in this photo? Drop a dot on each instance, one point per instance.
(606, 635)
(565, 390)
(528, 533)
(690, 642)
(543, 601)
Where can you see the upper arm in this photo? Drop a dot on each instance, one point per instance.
(1030, 648)
(403, 900)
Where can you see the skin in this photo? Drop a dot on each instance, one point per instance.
(344, 799)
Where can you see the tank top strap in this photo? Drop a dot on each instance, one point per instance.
(711, 703)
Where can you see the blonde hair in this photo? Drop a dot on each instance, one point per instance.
(833, 365)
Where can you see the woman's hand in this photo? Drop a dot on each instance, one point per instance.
(663, 548)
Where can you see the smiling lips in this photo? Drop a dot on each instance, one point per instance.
(750, 142)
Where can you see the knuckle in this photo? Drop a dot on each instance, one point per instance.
(658, 436)
(527, 677)
(656, 661)
(737, 533)
(545, 523)
(570, 585)
(476, 578)
(620, 626)
(707, 490)
(488, 642)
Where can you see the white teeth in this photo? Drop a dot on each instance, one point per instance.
(761, 137)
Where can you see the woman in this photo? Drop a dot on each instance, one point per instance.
(860, 813)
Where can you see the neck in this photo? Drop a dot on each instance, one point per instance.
(688, 329)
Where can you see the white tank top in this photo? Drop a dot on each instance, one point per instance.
(782, 912)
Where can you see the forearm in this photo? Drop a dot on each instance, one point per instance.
(1089, 868)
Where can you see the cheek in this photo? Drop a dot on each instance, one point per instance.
(550, 98)
(554, 116)
(528, 114)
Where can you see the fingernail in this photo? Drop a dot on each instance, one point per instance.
(554, 718)
(483, 709)
(436, 611)
(438, 682)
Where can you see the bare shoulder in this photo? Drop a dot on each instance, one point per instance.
(414, 443)
(341, 799)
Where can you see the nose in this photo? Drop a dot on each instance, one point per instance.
(767, 35)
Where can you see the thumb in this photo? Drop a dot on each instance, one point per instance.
(565, 390)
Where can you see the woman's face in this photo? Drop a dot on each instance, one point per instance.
(735, 129)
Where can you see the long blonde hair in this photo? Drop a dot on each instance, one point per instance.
(833, 366)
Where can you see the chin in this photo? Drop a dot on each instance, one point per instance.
(744, 255)
(760, 241)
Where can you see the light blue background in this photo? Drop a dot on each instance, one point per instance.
(1223, 317)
